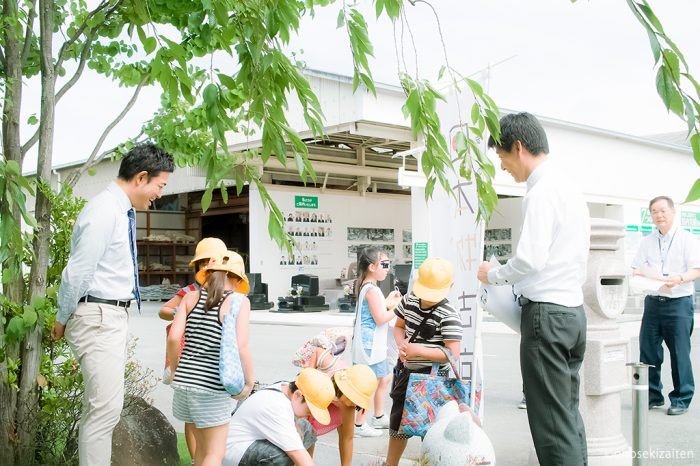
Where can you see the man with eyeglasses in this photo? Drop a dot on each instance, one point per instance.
(672, 255)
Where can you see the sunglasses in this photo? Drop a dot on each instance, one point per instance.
(385, 264)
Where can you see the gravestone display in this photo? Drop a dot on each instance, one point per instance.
(304, 296)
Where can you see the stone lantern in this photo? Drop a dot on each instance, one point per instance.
(604, 374)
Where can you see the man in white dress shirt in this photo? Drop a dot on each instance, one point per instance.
(97, 286)
(672, 255)
(547, 273)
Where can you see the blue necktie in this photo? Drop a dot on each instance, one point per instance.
(132, 242)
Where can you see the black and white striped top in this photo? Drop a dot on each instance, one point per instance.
(442, 323)
(199, 362)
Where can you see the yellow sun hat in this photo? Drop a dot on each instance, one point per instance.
(208, 248)
(435, 278)
(230, 262)
(318, 392)
(358, 383)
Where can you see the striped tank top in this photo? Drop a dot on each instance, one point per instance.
(199, 362)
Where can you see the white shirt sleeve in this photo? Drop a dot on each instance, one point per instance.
(692, 252)
(91, 236)
(536, 239)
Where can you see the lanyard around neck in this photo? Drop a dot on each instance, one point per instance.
(665, 257)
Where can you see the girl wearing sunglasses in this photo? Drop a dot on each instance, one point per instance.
(372, 317)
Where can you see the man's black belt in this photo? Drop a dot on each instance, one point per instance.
(523, 301)
(111, 302)
(664, 299)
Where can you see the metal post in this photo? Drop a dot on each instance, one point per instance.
(640, 412)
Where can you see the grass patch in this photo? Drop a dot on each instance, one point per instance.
(182, 450)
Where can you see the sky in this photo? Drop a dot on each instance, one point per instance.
(587, 62)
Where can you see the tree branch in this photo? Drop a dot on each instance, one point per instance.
(28, 33)
(94, 158)
(81, 66)
(80, 30)
(71, 82)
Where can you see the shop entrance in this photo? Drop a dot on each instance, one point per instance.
(232, 229)
(228, 221)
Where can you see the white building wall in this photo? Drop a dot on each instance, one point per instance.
(613, 168)
(347, 209)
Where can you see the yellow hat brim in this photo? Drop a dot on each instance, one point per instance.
(321, 415)
(354, 395)
(430, 294)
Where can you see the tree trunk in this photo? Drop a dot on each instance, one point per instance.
(31, 350)
(12, 151)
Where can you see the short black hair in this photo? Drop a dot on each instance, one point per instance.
(662, 198)
(293, 386)
(523, 127)
(145, 157)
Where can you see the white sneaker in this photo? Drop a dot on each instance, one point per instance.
(523, 403)
(366, 431)
(381, 423)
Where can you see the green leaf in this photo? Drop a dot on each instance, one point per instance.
(671, 60)
(369, 84)
(224, 193)
(476, 114)
(695, 145)
(694, 193)
(689, 114)
(664, 86)
(341, 19)
(676, 103)
(32, 120)
(655, 46)
(92, 171)
(149, 45)
(461, 143)
(441, 72)
(29, 316)
(8, 275)
(651, 17)
(476, 88)
(211, 95)
(227, 81)
(15, 328)
(141, 33)
(12, 167)
(206, 199)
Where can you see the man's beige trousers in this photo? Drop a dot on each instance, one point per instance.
(97, 334)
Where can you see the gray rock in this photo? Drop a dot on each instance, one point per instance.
(144, 437)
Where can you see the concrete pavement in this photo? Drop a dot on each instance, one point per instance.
(275, 336)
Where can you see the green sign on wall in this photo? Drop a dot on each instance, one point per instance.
(306, 202)
(646, 217)
(420, 254)
(690, 219)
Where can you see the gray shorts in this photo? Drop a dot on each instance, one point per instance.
(202, 408)
(263, 452)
